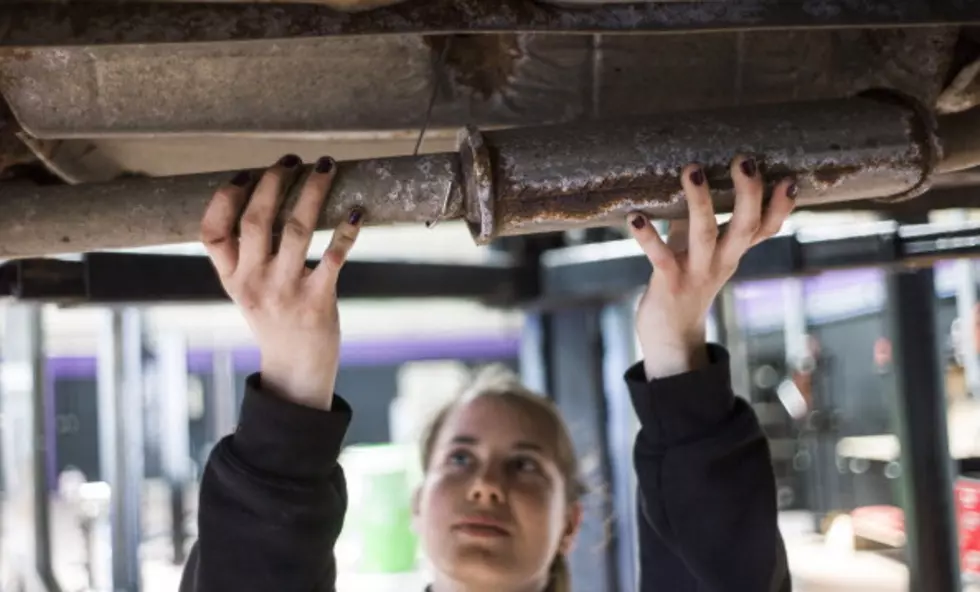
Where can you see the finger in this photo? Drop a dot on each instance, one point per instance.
(678, 235)
(297, 232)
(256, 225)
(703, 229)
(324, 277)
(780, 207)
(747, 217)
(218, 223)
(661, 257)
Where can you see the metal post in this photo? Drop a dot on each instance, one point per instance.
(576, 374)
(174, 431)
(223, 408)
(715, 330)
(622, 426)
(120, 385)
(28, 552)
(966, 304)
(795, 324)
(533, 372)
(738, 349)
(927, 474)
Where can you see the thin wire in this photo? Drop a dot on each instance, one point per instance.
(435, 91)
(445, 207)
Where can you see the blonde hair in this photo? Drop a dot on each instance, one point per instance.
(498, 381)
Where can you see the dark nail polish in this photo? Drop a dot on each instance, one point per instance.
(289, 161)
(793, 190)
(697, 177)
(241, 179)
(324, 165)
(749, 167)
(639, 222)
(355, 216)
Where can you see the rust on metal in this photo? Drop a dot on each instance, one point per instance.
(74, 23)
(829, 178)
(556, 178)
(485, 63)
(139, 212)
(528, 180)
(476, 178)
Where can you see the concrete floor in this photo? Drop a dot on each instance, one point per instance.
(816, 566)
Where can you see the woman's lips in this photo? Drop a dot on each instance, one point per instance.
(482, 527)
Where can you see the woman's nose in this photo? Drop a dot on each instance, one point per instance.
(487, 488)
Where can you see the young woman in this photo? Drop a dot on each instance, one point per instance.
(499, 506)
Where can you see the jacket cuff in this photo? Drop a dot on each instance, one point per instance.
(684, 407)
(281, 438)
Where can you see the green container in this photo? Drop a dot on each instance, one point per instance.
(378, 535)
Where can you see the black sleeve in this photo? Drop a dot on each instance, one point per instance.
(272, 500)
(707, 493)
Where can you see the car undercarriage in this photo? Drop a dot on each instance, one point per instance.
(121, 118)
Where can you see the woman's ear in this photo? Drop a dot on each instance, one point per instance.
(416, 503)
(572, 525)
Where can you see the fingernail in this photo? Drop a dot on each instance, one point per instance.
(289, 161)
(749, 167)
(638, 222)
(324, 165)
(241, 179)
(355, 216)
(697, 177)
(793, 190)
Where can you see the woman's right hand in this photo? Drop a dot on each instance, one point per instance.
(291, 309)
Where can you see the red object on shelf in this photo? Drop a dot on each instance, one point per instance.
(887, 523)
(967, 493)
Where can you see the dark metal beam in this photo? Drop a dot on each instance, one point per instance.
(109, 278)
(942, 196)
(28, 24)
(593, 272)
(610, 270)
(927, 486)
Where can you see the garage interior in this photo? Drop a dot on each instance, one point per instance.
(516, 135)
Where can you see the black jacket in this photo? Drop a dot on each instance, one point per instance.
(273, 497)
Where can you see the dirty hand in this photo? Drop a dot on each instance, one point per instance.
(694, 263)
(291, 309)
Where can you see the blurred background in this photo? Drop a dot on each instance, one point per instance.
(109, 411)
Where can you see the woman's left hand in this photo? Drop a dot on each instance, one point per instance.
(692, 266)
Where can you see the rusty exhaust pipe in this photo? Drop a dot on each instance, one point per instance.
(529, 180)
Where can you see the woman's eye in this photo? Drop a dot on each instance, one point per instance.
(459, 458)
(526, 465)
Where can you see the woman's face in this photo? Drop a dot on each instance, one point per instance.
(492, 510)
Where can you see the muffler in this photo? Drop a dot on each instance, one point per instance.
(529, 180)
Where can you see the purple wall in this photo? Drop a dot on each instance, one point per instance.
(355, 353)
